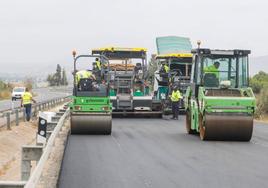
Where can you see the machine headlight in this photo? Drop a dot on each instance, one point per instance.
(77, 107)
(105, 108)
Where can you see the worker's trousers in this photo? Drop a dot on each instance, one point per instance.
(28, 111)
(175, 109)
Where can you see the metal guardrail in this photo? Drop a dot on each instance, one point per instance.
(38, 153)
(34, 178)
(19, 112)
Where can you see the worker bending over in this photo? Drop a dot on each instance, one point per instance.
(86, 81)
(83, 74)
(175, 99)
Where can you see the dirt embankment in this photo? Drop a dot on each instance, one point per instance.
(10, 148)
(11, 142)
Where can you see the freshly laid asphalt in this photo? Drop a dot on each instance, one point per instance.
(143, 153)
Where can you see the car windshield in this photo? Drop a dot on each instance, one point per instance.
(226, 69)
(18, 89)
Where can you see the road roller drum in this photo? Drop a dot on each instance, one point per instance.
(91, 123)
(226, 127)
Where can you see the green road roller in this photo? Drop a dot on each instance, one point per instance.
(219, 103)
(90, 106)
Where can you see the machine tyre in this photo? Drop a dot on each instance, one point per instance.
(160, 116)
(188, 123)
(202, 128)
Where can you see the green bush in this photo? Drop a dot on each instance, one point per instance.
(2, 85)
(262, 103)
(4, 90)
(259, 81)
(259, 85)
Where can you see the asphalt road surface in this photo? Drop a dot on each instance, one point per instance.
(144, 153)
(43, 94)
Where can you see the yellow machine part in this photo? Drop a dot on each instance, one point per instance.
(114, 49)
(173, 55)
(91, 123)
(231, 127)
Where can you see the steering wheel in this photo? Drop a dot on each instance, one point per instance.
(175, 72)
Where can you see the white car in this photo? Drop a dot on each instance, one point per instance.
(17, 93)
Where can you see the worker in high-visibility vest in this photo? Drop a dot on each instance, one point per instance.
(82, 75)
(175, 99)
(98, 64)
(26, 102)
(165, 68)
(213, 69)
(164, 72)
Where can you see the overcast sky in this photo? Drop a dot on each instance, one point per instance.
(38, 33)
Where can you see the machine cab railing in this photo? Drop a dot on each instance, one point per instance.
(220, 68)
(88, 86)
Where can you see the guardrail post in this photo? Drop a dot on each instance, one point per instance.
(8, 120)
(29, 153)
(17, 116)
(35, 110)
(25, 170)
(24, 114)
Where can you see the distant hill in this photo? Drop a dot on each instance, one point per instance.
(39, 72)
(258, 64)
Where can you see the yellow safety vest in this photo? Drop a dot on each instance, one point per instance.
(82, 74)
(213, 70)
(176, 96)
(27, 98)
(98, 65)
(166, 68)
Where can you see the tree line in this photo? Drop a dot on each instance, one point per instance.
(58, 78)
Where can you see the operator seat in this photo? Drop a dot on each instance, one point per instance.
(210, 80)
(85, 84)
